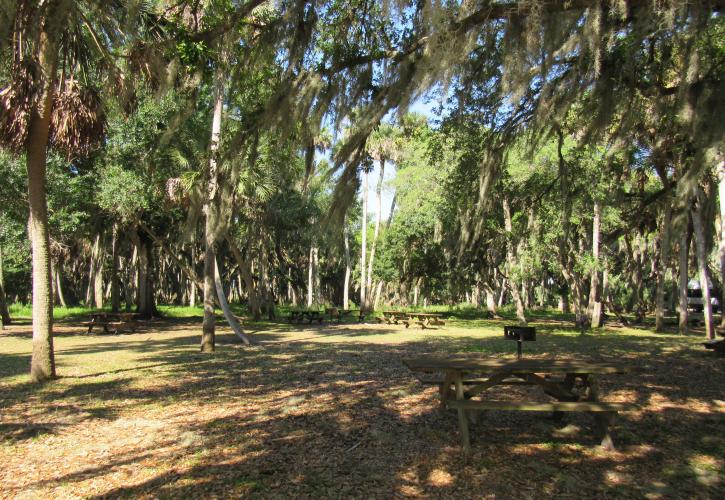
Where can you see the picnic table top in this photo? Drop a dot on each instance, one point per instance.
(485, 364)
(426, 315)
(115, 315)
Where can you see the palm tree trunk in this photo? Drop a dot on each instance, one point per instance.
(662, 268)
(595, 300)
(684, 278)
(231, 319)
(378, 214)
(311, 276)
(348, 268)
(721, 246)
(364, 227)
(211, 211)
(98, 272)
(115, 259)
(58, 284)
(701, 251)
(4, 312)
(42, 365)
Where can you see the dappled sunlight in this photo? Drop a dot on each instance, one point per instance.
(338, 411)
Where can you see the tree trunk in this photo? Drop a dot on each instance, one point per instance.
(231, 319)
(511, 263)
(97, 267)
(662, 267)
(4, 312)
(364, 227)
(58, 284)
(246, 272)
(211, 212)
(378, 214)
(721, 247)
(595, 297)
(42, 365)
(311, 276)
(348, 268)
(144, 289)
(115, 264)
(684, 277)
(701, 251)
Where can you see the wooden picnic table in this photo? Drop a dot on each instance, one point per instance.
(393, 317)
(339, 314)
(425, 320)
(570, 382)
(113, 322)
(300, 316)
(406, 317)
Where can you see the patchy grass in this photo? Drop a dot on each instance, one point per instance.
(330, 411)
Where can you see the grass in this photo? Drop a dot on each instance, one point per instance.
(330, 411)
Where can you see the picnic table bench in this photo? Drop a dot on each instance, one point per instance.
(717, 345)
(571, 383)
(113, 322)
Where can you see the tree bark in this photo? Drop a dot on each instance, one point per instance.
(378, 214)
(211, 212)
(58, 284)
(115, 264)
(701, 251)
(595, 297)
(97, 256)
(721, 247)
(364, 227)
(684, 277)
(311, 277)
(42, 365)
(348, 267)
(4, 312)
(144, 289)
(246, 272)
(511, 262)
(231, 319)
(662, 267)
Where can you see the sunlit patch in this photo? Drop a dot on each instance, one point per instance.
(706, 468)
(440, 478)
(617, 478)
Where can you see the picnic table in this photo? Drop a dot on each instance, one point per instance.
(339, 314)
(406, 317)
(299, 316)
(393, 317)
(425, 320)
(113, 322)
(571, 383)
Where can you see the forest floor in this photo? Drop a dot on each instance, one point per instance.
(330, 411)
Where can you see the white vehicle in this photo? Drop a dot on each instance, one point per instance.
(694, 297)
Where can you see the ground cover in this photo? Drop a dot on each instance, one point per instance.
(331, 411)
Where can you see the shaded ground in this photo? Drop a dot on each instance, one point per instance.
(330, 411)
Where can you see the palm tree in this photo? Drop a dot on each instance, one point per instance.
(383, 145)
(61, 54)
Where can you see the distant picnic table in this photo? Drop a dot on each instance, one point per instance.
(570, 382)
(339, 314)
(113, 322)
(424, 320)
(299, 316)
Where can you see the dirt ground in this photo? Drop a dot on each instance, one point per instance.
(330, 411)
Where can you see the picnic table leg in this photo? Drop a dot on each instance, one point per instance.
(462, 417)
(90, 326)
(445, 391)
(602, 420)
